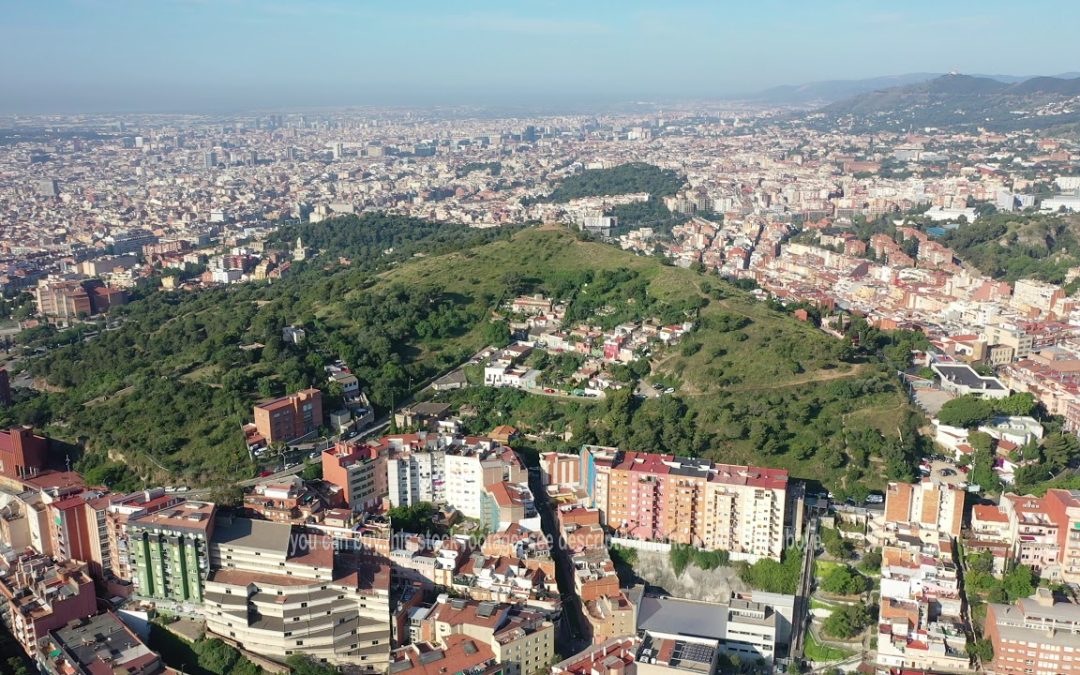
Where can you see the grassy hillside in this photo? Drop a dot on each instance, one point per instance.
(754, 385)
(162, 398)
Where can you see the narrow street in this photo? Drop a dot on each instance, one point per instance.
(801, 624)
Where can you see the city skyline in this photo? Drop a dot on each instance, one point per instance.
(189, 55)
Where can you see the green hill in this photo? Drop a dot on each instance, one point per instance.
(754, 385)
(162, 397)
(1013, 246)
(623, 179)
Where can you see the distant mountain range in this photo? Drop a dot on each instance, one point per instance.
(960, 101)
(830, 91)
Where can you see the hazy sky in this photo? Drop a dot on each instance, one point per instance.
(72, 55)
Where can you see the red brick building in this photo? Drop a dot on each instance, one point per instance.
(1040, 634)
(290, 417)
(23, 454)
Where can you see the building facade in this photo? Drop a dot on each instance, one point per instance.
(290, 417)
(739, 509)
(1040, 634)
(169, 551)
(277, 591)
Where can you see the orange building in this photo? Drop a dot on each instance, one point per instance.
(290, 417)
(926, 505)
(22, 453)
(359, 470)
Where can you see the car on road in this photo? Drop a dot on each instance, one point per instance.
(549, 390)
(291, 465)
(947, 472)
(264, 474)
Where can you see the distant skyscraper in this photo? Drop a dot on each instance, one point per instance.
(338, 149)
(210, 160)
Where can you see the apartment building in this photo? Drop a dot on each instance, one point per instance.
(42, 594)
(1040, 634)
(521, 638)
(1033, 296)
(168, 551)
(69, 299)
(290, 417)
(1064, 507)
(97, 644)
(921, 622)
(560, 468)
(79, 530)
(23, 454)
(1035, 533)
(1011, 335)
(24, 521)
(739, 509)
(121, 510)
(464, 472)
(414, 477)
(359, 470)
(277, 590)
(614, 657)
(925, 506)
(459, 654)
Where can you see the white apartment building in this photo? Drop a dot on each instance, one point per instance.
(277, 591)
(450, 470)
(413, 477)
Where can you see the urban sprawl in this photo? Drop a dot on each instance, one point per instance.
(413, 547)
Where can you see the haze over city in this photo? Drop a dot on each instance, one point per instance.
(197, 55)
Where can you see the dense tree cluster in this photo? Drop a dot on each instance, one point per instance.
(1018, 582)
(774, 577)
(843, 580)
(206, 656)
(415, 518)
(847, 621)
(382, 236)
(1018, 246)
(142, 391)
(970, 411)
(683, 555)
(834, 544)
(624, 179)
(491, 168)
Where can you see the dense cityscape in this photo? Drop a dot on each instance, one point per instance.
(784, 382)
